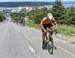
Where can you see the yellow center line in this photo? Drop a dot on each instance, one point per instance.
(36, 37)
(57, 40)
(63, 49)
(71, 40)
(66, 51)
(66, 41)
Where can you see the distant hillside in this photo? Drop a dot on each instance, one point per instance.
(16, 4)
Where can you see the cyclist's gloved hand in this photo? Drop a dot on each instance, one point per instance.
(45, 31)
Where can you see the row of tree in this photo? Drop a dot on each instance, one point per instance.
(63, 15)
(18, 17)
(2, 17)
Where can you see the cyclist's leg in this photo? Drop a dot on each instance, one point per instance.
(44, 36)
(43, 33)
(44, 40)
(51, 27)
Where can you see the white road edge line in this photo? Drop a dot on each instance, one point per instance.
(31, 49)
(37, 56)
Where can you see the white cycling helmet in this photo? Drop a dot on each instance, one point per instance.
(50, 16)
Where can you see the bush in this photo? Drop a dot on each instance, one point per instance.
(61, 14)
(2, 18)
(37, 14)
(15, 14)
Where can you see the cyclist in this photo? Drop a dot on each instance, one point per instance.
(47, 22)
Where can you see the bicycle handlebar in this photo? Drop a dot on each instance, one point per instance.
(51, 31)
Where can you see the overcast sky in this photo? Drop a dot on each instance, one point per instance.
(34, 0)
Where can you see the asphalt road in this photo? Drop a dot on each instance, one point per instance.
(24, 42)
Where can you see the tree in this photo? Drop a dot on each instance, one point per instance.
(58, 11)
(2, 18)
(70, 16)
(37, 14)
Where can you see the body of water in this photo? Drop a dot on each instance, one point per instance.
(12, 8)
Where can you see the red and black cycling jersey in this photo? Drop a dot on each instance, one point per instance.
(45, 20)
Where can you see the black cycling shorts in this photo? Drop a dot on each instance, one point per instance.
(47, 26)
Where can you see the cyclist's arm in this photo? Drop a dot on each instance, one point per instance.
(41, 23)
(55, 23)
(42, 27)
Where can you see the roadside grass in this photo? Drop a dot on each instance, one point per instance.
(66, 29)
(63, 29)
(31, 24)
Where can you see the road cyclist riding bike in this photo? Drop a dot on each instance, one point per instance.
(48, 22)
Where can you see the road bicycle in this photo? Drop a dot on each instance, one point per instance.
(50, 44)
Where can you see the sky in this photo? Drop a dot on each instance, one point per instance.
(35, 0)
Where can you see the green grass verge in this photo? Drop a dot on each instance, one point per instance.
(30, 24)
(63, 29)
(67, 30)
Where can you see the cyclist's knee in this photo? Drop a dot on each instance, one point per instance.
(52, 28)
(51, 31)
(44, 33)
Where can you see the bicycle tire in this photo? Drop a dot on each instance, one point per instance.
(50, 49)
(50, 46)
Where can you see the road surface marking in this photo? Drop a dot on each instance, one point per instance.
(30, 46)
(66, 51)
(66, 41)
(34, 37)
(37, 56)
(31, 49)
(56, 40)
(63, 41)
